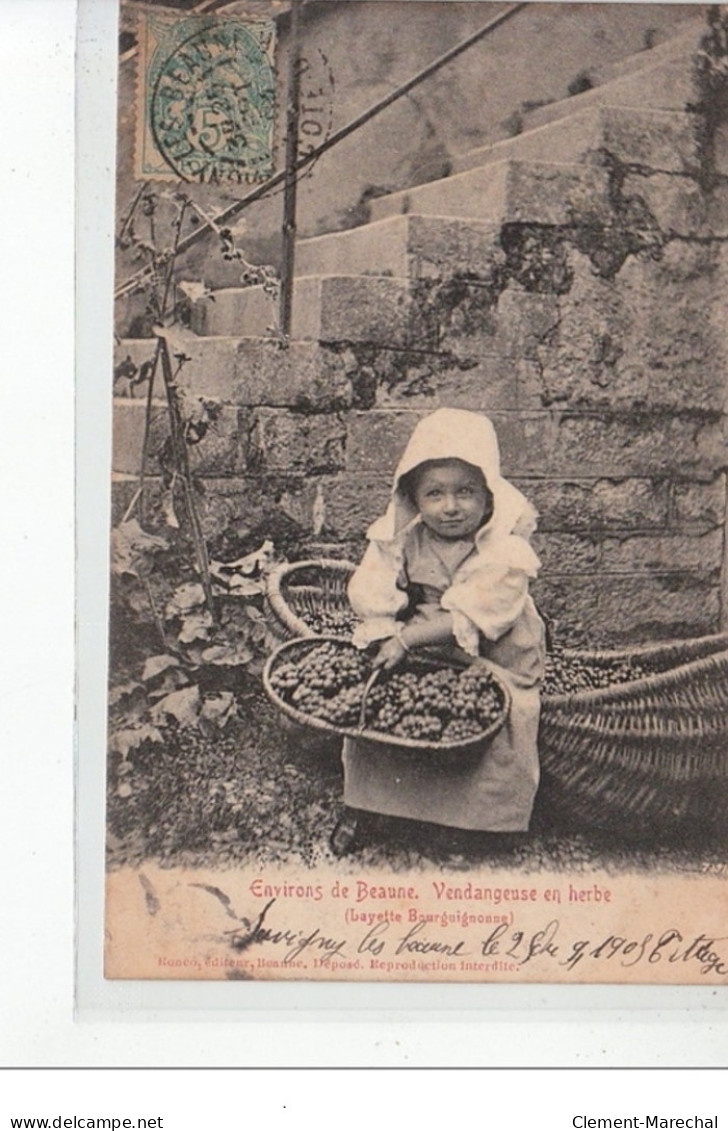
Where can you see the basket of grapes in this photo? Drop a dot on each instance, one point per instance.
(308, 598)
(640, 733)
(428, 706)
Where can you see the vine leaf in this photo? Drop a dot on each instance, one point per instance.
(156, 665)
(132, 548)
(124, 741)
(244, 587)
(194, 290)
(182, 705)
(227, 655)
(195, 626)
(185, 598)
(217, 710)
(124, 692)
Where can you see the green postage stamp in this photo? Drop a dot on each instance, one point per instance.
(205, 99)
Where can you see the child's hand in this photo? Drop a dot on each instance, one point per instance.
(391, 653)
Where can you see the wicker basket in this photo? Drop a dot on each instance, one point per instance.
(297, 593)
(665, 662)
(649, 751)
(447, 753)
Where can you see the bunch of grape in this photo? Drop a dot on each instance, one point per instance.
(332, 622)
(568, 675)
(460, 730)
(326, 682)
(441, 705)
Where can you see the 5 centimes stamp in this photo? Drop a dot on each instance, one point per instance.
(205, 99)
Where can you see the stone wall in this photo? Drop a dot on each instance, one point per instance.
(580, 304)
(488, 93)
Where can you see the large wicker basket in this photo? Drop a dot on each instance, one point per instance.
(299, 593)
(649, 753)
(446, 753)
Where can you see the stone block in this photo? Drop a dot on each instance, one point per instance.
(223, 449)
(720, 142)
(304, 375)
(676, 203)
(471, 321)
(668, 554)
(570, 606)
(251, 509)
(504, 192)
(130, 354)
(605, 446)
(210, 370)
(485, 384)
(403, 247)
(604, 610)
(235, 312)
(356, 309)
(639, 609)
(349, 503)
(220, 451)
(700, 504)
(652, 336)
(526, 323)
(660, 140)
(598, 504)
(526, 441)
(439, 247)
(296, 442)
(716, 211)
(128, 424)
(325, 308)
(376, 440)
(566, 553)
(413, 379)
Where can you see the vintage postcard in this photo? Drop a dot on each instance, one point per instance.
(419, 597)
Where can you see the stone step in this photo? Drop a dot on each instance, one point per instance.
(222, 315)
(209, 371)
(662, 140)
(665, 84)
(255, 371)
(325, 308)
(661, 78)
(505, 192)
(222, 451)
(411, 246)
(127, 438)
(674, 39)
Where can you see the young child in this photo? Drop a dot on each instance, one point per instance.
(448, 566)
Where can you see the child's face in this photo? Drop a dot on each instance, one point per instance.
(452, 498)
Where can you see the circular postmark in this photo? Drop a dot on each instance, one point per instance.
(316, 108)
(212, 105)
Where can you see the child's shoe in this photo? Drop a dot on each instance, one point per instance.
(346, 833)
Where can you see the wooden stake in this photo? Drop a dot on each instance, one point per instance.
(182, 466)
(289, 196)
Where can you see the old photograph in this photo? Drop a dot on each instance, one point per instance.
(418, 625)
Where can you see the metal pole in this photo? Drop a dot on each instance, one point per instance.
(262, 190)
(289, 197)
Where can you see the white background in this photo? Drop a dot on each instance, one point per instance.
(37, 1026)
